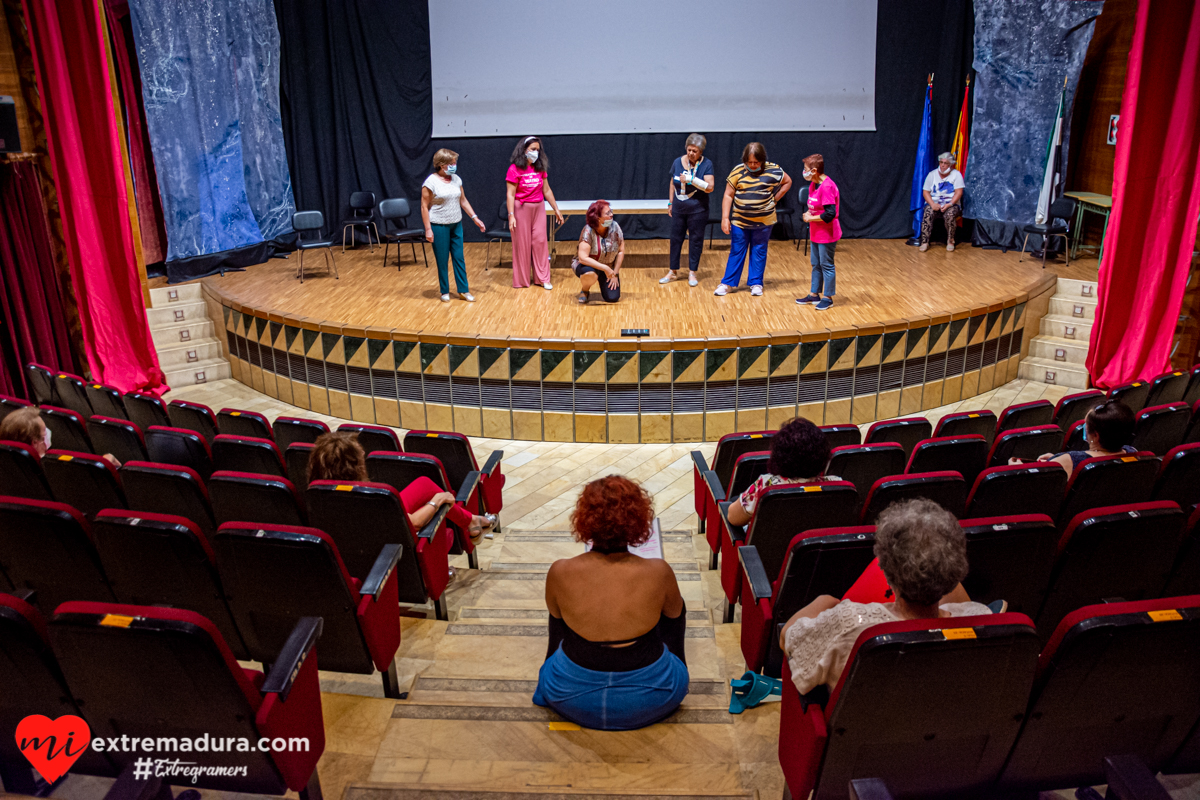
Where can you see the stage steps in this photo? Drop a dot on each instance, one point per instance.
(185, 337)
(1058, 353)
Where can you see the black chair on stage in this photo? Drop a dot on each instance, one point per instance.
(1062, 211)
(1074, 407)
(244, 423)
(145, 409)
(802, 204)
(499, 234)
(106, 401)
(289, 430)
(41, 382)
(72, 394)
(395, 212)
(784, 212)
(1017, 489)
(304, 222)
(362, 215)
(117, 436)
(86, 482)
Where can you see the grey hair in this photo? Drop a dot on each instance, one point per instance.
(922, 550)
(948, 156)
(696, 140)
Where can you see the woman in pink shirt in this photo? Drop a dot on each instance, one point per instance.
(528, 189)
(824, 207)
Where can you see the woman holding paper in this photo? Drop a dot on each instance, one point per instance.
(687, 205)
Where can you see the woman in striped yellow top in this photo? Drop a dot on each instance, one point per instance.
(747, 214)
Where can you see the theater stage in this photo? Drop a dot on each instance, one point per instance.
(909, 331)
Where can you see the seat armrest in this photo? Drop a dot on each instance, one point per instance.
(434, 525)
(388, 558)
(28, 595)
(291, 657)
(736, 533)
(469, 485)
(714, 485)
(698, 461)
(756, 573)
(1129, 778)
(493, 462)
(869, 789)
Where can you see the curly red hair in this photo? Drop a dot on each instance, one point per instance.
(595, 212)
(613, 512)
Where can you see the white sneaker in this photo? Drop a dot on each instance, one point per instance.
(470, 298)
(692, 279)
(756, 291)
(445, 298)
(722, 290)
(547, 286)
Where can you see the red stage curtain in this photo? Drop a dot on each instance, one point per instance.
(1156, 198)
(67, 39)
(34, 324)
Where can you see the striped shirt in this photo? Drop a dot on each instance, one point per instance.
(754, 195)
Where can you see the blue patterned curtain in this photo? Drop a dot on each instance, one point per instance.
(1023, 50)
(210, 82)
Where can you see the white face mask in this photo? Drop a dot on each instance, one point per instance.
(944, 170)
(531, 156)
(808, 174)
(46, 438)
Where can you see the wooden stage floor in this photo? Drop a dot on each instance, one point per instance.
(878, 280)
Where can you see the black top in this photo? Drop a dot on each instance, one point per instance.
(638, 652)
(1080, 456)
(703, 170)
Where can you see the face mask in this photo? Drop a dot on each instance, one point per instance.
(808, 174)
(1084, 428)
(46, 438)
(451, 169)
(754, 171)
(944, 170)
(605, 224)
(532, 156)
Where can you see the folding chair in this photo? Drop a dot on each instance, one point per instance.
(247, 454)
(83, 481)
(119, 437)
(1014, 489)
(244, 423)
(1159, 428)
(904, 432)
(168, 489)
(194, 417)
(289, 430)
(1025, 443)
(303, 222)
(966, 455)
(181, 447)
(373, 437)
(251, 497)
(947, 489)
(47, 548)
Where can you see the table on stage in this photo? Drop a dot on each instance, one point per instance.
(570, 208)
(1096, 203)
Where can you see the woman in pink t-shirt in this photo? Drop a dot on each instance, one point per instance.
(824, 208)
(528, 189)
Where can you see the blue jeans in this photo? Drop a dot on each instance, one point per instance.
(821, 256)
(612, 701)
(448, 244)
(740, 240)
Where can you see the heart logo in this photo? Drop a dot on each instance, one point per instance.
(52, 746)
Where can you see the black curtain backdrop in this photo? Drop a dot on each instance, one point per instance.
(357, 115)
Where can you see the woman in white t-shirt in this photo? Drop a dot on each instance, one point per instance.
(442, 203)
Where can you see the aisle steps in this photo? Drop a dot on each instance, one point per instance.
(1058, 353)
(185, 337)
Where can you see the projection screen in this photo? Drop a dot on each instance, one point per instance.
(503, 68)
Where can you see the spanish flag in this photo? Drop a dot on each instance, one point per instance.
(962, 136)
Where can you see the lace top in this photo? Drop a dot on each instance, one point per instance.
(817, 649)
(749, 498)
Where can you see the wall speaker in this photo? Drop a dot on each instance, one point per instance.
(10, 141)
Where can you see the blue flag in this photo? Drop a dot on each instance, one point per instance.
(925, 162)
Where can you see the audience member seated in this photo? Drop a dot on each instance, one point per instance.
(922, 552)
(339, 457)
(26, 426)
(617, 622)
(799, 454)
(1107, 429)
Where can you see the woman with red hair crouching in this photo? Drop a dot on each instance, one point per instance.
(615, 660)
(601, 251)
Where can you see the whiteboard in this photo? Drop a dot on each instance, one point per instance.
(503, 68)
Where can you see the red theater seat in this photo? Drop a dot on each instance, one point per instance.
(244, 423)
(1074, 407)
(373, 437)
(71, 394)
(21, 472)
(168, 489)
(247, 454)
(947, 489)
(905, 432)
(1167, 388)
(729, 448)
(106, 401)
(1025, 443)
(864, 464)
(1179, 476)
(965, 455)
(145, 409)
(1159, 428)
(1185, 574)
(84, 481)
(195, 417)
(746, 470)
(289, 430)
(296, 458)
(41, 381)
(181, 447)
(841, 435)
(963, 423)
(456, 455)
(1018, 489)
(10, 404)
(1108, 481)
(253, 497)
(67, 429)
(1025, 415)
(1131, 394)
(119, 437)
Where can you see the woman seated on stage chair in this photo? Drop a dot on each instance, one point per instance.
(601, 251)
(922, 552)
(339, 457)
(1107, 431)
(617, 622)
(799, 454)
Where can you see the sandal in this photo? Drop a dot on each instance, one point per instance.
(485, 524)
(583, 297)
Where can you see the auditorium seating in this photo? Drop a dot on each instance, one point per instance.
(1185, 573)
(106, 401)
(168, 489)
(71, 394)
(276, 575)
(1192, 394)
(1025, 443)
(1124, 551)
(1167, 388)
(1010, 558)
(1074, 407)
(905, 432)
(782, 512)
(1108, 481)
(1073, 439)
(965, 455)
(9, 405)
(1114, 679)
(289, 430)
(1017, 489)
(244, 423)
(21, 472)
(841, 435)
(296, 459)
(373, 437)
(46, 547)
(817, 562)
(1131, 394)
(1193, 432)
(67, 431)
(247, 454)
(83, 481)
(1025, 415)
(965, 682)
(145, 410)
(164, 560)
(181, 447)
(119, 437)
(142, 671)
(863, 464)
(41, 383)
(729, 447)
(746, 470)
(362, 517)
(456, 455)
(947, 489)
(1159, 428)
(964, 423)
(251, 497)
(195, 417)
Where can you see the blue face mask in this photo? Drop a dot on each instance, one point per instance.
(451, 169)
(1085, 433)
(754, 171)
